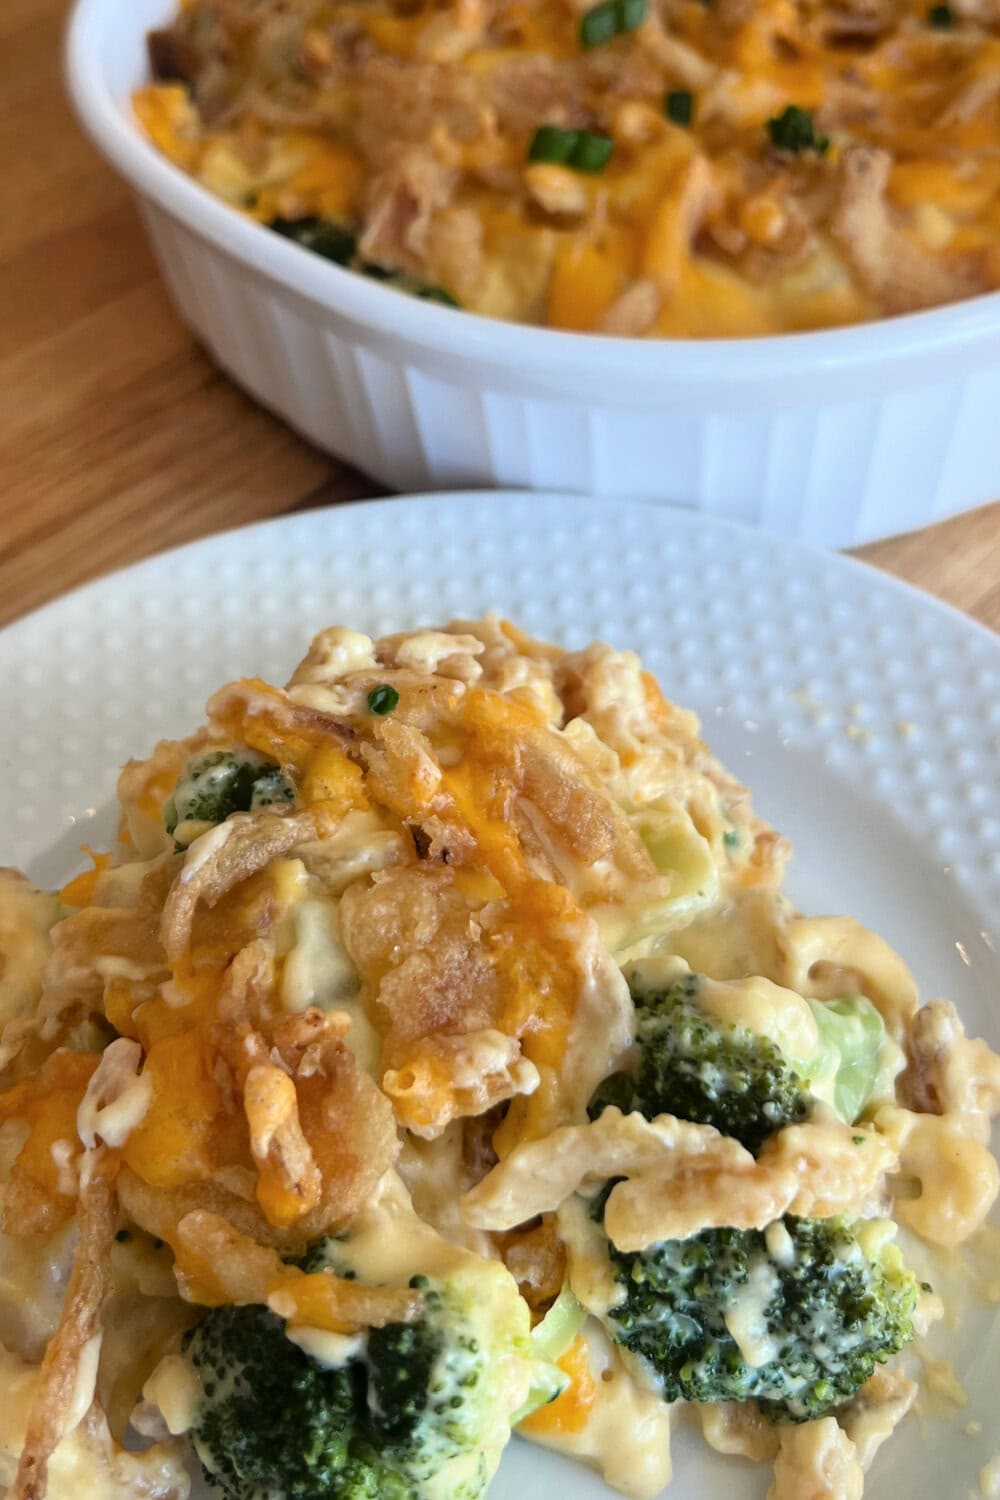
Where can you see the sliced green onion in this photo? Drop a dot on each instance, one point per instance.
(382, 699)
(678, 105)
(322, 236)
(940, 17)
(552, 144)
(599, 24)
(553, 1335)
(549, 1339)
(610, 19)
(793, 130)
(582, 150)
(631, 14)
(423, 290)
(592, 152)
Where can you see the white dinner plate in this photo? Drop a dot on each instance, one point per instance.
(864, 715)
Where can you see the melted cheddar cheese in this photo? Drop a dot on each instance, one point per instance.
(401, 138)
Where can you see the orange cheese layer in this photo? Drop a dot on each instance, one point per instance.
(569, 1412)
(47, 1103)
(80, 891)
(922, 94)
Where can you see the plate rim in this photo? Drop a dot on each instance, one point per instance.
(686, 516)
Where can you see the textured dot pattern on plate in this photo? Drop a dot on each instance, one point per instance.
(865, 717)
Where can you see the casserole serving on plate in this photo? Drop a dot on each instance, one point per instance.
(436, 1055)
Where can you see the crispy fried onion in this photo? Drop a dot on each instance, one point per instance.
(218, 1265)
(40, 1192)
(891, 266)
(269, 720)
(682, 1178)
(455, 1076)
(26, 917)
(435, 970)
(223, 858)
(403, 773)
(73, 985)
(321, 1132)
(248, 984)
(585, 819)
(949, 1072)
(956, 1176)
(117, 1096)
(536, 1258)
(418, 947)
(289, 1183)
(68, 1371)
(509, 760)
(159, 1210)
(87, 1461)
(515, 763)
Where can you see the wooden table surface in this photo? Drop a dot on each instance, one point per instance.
(120, 438)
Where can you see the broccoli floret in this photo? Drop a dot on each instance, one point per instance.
(417, 1411)
(794, 130)
(855, 1057)
(424, 291)
(803, 1299)
(796, 1316)
(700, 1069)
(273, 1422)
(335, 241)
(325, 237)
(223, 782)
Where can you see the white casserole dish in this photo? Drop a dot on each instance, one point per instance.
(835, 437)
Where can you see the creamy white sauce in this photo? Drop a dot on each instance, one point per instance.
(33, 1277)
(602, 1028)
(766, 1009)
(85, 1463)
(780, 1245)
(318, 971)
(331, 1350)
(436, 1176)
(175, 1391)
(110, 966)
(64, 1154)
(387, 1240)
(746, 1319)
(117, 1096)
(589, 1267)
(627, 1434)
(84, 1385)
(425, 650)
(207, 847)
(360, 845)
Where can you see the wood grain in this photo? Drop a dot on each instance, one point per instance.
(120, 437)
